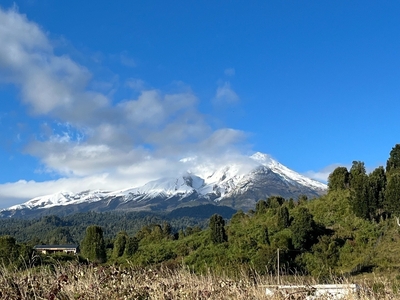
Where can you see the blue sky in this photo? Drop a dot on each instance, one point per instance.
(96, 94)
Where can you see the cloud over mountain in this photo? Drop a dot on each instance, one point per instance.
(89, 136)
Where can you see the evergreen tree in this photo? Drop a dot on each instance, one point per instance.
(261, 207)
(359, 190)
(93, 246)
(157, 233)
(304, 230)
(393, 163)
(120, 244)
(275, 201)
(377, 186)
(8, 250)
(291, 203)
(264, 235)
(338, 179)
(392, 195)
(167, 229)
(132, 245)
(60, 236)
(283, 218)
(302, 199)
(217, 229)
(181, 234)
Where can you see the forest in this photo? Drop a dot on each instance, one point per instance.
(350, 230)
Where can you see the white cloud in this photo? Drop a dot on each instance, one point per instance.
(225, 94)
(95, 143)
(50, 84)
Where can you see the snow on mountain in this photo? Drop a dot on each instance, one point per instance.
(204, 180)
(60, 199)
(285, 172)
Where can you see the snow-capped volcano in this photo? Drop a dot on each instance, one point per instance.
(239, 185)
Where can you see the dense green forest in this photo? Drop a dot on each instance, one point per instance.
(350, 230)
(70, 229)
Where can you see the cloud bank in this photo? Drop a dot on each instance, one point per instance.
(97, 142)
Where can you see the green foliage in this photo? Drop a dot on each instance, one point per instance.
(12, 253)
(393, 163)
(304, 229)
(120, 244)
(264, 235)
(261, 207)
(339, 179)
(238, 217)
(376, 193)
(323, 259)
(8, 249)
(217, 229)
(359, 190)
(302, 200)
(93, 246)
(60, 236)
(392, 194)
(132, 245)
(275, 201)
(283, 240)
(71, 229)
(265, 259)
(283, 218)
(291, 203)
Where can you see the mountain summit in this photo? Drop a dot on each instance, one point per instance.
(238, 185)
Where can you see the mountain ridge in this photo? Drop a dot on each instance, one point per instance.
(238, 184)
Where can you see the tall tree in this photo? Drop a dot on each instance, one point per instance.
(93, 246)
(275, 201)
(359, 190)
(377, 186)
(393, 163)
(283, 218)
(264, 235)
(217, 228)
(120, 244)
(167, 229)
(8, 250)
(392, 194)
(338, 179)
(304, 229)
(302, 199)
(261, 207)
(132, 245)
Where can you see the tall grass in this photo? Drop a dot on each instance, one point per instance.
(78, 281)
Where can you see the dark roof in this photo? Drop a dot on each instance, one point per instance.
(60, 247)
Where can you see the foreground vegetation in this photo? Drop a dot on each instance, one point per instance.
(80, 281)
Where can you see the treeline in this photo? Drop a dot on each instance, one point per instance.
(375, 195)
(71, 229)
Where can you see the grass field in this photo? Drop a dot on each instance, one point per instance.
(77, 281)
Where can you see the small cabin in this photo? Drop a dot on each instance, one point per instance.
(51, 249)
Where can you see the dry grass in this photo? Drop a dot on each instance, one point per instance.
(75, 281)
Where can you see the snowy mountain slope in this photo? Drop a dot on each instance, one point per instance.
(239, 185)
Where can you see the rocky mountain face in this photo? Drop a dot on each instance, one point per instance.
(238, 185)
